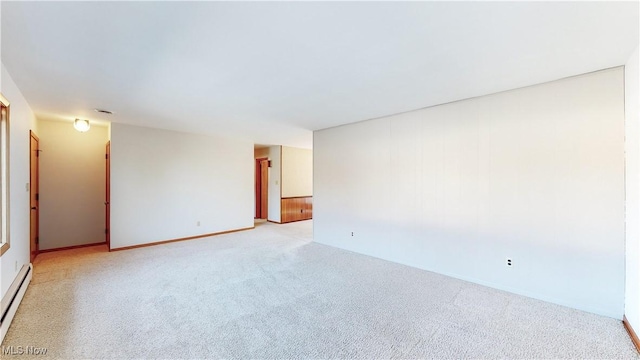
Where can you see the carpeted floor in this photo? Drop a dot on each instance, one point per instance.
(272, 293)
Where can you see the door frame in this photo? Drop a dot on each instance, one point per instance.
(107, 196)
(258, 189)
(34, 200)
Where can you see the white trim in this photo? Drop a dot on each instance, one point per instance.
(13, 298)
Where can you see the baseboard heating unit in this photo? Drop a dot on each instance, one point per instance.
(12, 299)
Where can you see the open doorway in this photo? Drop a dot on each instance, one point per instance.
(70, 210)
(262, 186)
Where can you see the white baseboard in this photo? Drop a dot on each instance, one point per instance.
(13, 297)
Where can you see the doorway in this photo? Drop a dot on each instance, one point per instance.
(107, 196)
(262, 186)
(34, 193)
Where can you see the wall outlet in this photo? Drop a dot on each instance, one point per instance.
(352, 233)
(509, 262)
(198, 223)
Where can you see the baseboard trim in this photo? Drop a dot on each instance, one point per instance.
(182, 239)
(72, 247)
(632, 333)
(292, 221)
(12, 299)
(275, 222)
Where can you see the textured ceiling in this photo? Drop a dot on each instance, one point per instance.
(272, 72)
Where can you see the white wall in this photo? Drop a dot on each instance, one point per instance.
(72, 184)
(22, 120)
(632, 181)
(164, 182)
(274, 184)
(534, 174)
(297, 172)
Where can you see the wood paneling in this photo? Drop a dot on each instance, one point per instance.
(296, 208)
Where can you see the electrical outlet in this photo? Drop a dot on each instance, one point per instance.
(352, 233)
(509, 262)
(198, 223)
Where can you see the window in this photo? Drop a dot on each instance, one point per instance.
(4, 175)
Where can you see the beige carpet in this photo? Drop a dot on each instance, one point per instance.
(272, 293)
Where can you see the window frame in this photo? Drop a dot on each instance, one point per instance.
(5, 242)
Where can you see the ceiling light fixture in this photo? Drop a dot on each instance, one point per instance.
(81, 125)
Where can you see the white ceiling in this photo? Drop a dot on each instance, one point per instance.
(273, 71)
